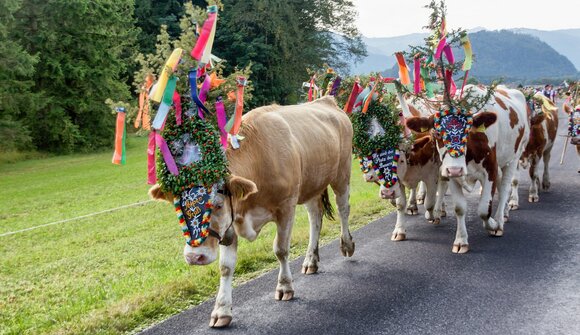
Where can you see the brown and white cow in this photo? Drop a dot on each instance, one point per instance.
(543, 128)
(494, 145)
(417, 164)
(290, 155)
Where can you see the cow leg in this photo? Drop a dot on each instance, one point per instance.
(342, 195)
(440, 210)
(460, 245)
(546, 177)
(535, 179)
(221, 316)
(421, 193)
(284, 289)
(412, 208)
(314, 208)
(514, 202)
(399, 233)
(430, 199)
(502, 212)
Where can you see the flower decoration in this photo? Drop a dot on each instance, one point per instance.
(453, 125)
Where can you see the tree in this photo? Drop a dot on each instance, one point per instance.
(296, 35)
(82, 48)
(16, 69)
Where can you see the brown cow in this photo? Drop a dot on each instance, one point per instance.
(543, 127)
(289, 156)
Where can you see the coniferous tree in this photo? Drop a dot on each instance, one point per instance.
(83, 49)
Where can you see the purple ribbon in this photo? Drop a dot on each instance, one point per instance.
(440, 47)
(417, 74)
(205, 89)
(167, 157)
(449, 54)
(177, 105)
(221, 120)
(194, 97)
(335, 86)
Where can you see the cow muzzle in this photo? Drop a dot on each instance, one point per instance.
(199, 256)
(386, 193)
(454, 172)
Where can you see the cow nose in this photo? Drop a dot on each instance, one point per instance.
(387, 194)
(454, 172)
(195, 259)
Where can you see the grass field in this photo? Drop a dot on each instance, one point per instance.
(119, 271)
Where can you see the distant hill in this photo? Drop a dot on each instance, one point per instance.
(566, 41)
(507, 54)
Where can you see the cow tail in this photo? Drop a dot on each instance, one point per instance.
(327, 209)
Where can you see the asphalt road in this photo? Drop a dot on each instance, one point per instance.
(526, 282)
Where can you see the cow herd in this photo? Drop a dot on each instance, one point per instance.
(291, 154)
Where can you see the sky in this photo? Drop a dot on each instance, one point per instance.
(380, 18)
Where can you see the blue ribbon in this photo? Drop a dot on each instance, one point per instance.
(193, 85)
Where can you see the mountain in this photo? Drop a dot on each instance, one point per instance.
(512, 55)
(566, 41)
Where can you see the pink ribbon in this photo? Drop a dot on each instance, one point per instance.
(151, 173)
(440, 47)
(204, 89)
(167, 157)
(197, 50)
(450, 83)
(449, 54)
(221, 120)
(177, 105)
(417, 75)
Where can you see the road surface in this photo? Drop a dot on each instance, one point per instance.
(526, 282)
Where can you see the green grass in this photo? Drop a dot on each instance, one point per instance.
(120, 271)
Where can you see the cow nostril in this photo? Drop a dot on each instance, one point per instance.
(193, 259)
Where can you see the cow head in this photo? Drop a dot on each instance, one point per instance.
(450, 131)
(384, 167)
(221, 230)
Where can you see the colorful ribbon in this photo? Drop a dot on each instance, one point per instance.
(171, 65)
(356, 89)
(468, 53)
(119, 157)
(233, 125)
(151, 172)
(194, 97)
(207, 35)
(369, 98)
(166, 103)
(403, 70)
(221, 121)
(177, 106)
(449, 54)
(143, 117)
(311, 89)
(167, 157)
(335, 86)
(440, 46)
(451, 87)
(417, 75)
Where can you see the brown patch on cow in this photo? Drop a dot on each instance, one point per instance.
(414, 111)
(419, 124)
(500, 102)
(484, 118)
(537, 142)
(479, 151)
(552, 125)
(502, 92)
(519, 139)
(528, 110)
(513, 117)
(423, 151)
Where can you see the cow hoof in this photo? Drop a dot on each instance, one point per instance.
(412, 211)
(309, 269)
(513, 207)
(533, 198)
(347, 248)
(460, 248)
(220, 322)
(496, 233)
(283, 295)
(435, 221)
(546, 185)
(398, 237)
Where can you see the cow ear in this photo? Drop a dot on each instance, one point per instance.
(241, 187)
(419, 124)
(484, 119)
(537, 119)
(156, 193)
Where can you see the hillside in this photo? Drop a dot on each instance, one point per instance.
(512, 56)
(565, 41)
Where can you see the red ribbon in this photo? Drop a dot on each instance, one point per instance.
(199, 47)
(356, 89)
(417, 75)
(311, 89)
(151, 173)
(221, 120)
(177, 105)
